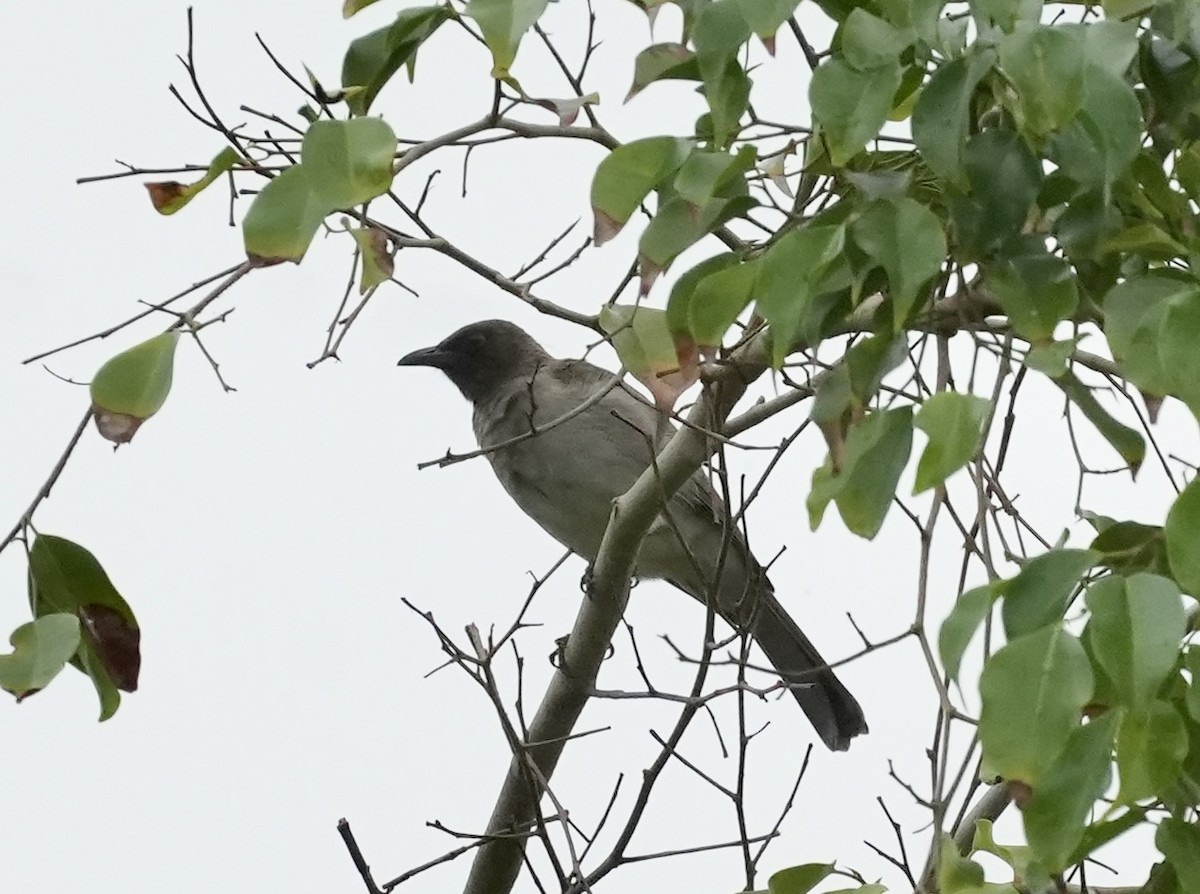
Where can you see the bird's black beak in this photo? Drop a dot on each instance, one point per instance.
(436, 357)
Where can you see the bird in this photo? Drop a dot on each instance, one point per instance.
(565, 477)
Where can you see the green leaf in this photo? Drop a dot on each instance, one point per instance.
(728, 95)
(957, 874)
(351, 7)
(660, 62)
(283, 219)
(1005, 178)
(627, 175)
(1051, 358)
(869, 42)
(1108, 43)
(765, 16)
(1151, 746)
(1126, 441)
(706, 174)
(1047, 65)
(1036, 290)
(65, 578)
(1177, 340)
(1137, 624)
(348, 162)
(1034, 691)
(877, 450)
(941, 118)
(170, 195)
(132, 386)
(41, 649)
(791, 270)
(682, 293)
(1005, 14)
(798, 879)
(960, 625)
(1097, 147)
(372, 59)
(1128, 547)
(905, 238)
(676, 226)
(650, 351)
(717, 301)
(1042, 589)
(851, 105)
(503, 24)
(1191, 699)
(1057, 811)
(1180, 844)
(1135, 313)
(1183, 535)
(953, 423)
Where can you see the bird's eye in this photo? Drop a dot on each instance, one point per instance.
(476, 342)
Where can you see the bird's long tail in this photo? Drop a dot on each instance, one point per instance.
(830, 707)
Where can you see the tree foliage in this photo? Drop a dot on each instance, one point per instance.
(1017, 175)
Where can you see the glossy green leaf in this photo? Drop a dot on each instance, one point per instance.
(1051, 358)
(1036, 290)
(170, 195)
(660, 62)
(877, 449)
(372, 59)
(1047, 65)
(1151, 746)
(627, 175)
(348, 162)
(1137, 625)
(953, 423)
(503, 24)
(1108, 43)
(905, 238)
(132, 386)
(41, 648)
(942, 115)
(1042, 589)
(1183, 536)
(1057, 811)
(1034, 691)
(283, 219)
(790, 272)
(798, 879)
(956, 873)
(960, 625)
(1128, 442)
(1135, 312)
(851, 105)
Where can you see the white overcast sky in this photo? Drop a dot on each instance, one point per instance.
(266, 538)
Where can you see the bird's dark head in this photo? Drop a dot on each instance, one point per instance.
(482, 357)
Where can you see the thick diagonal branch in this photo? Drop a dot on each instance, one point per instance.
(499, 861)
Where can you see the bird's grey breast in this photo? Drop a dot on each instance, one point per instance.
(566, 475)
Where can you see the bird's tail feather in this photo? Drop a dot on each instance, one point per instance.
(830, 707)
